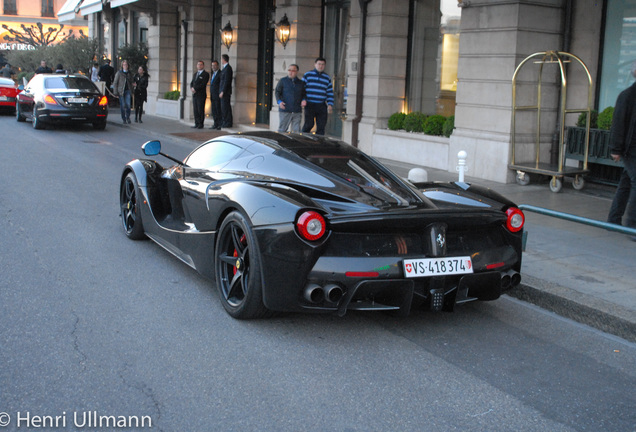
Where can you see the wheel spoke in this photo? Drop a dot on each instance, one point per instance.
(228, 259)
(236, 240)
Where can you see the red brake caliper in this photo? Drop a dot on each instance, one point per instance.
(235, 254)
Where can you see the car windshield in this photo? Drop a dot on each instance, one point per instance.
(71, 83)
(358, 169)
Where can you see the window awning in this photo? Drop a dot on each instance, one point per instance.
(67, 11)
(90, 7)
(116, 3)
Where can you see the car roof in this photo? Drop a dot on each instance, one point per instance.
(7, 81)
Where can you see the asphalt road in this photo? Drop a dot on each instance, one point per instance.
(91, 322)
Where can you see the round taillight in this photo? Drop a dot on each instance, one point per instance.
(515, 220)
(311, 225)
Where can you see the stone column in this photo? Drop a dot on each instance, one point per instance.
(496, 35)
(385, 67)
(163, 62)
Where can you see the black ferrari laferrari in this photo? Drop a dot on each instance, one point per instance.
(286, 222)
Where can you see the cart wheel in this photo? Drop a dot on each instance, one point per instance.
(555, 184)
(578, 182)
(523, 178)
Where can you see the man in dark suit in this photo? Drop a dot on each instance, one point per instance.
(106, 73)
(225, 92)
(215, 80)
(198, 86)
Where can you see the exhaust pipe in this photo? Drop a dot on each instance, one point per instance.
(313, 293)
(505, 280)
(510, 279)
(333, 293)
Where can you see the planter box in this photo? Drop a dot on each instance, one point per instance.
(413, 148)
(167, 108)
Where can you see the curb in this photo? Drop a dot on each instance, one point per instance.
(583, 308)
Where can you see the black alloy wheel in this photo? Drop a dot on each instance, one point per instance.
(37, 124)
(18, 115)
(130, 211)
(238, 269)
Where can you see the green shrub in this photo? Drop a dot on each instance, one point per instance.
(605, 118)
(593, 119)
(172, 95)
(449, 125)
(434, 125)
(414, 122)
(396, 121)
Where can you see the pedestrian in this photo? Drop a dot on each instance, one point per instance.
(623, 146)
(198, 86)
(225, 93)
(215, 80)
(122, 89)
(290, 96)
(140, 83)
(43, 68)
(95, 72)
(6, 71)
(319, 91)
(106, 74)
(59, 68)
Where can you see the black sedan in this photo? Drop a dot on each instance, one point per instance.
(305, 223)
(57, 98)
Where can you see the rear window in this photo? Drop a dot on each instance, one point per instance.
(71, 83)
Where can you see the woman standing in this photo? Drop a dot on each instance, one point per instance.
(140, 82)
(122, 88)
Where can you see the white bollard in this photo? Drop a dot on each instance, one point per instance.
(461, 164)
(418, 175)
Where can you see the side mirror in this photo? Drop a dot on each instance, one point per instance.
(151, 148)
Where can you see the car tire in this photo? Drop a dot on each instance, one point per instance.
(238, 269)
(130, 208)
(99, 125)
(18, 115)
(37, 124)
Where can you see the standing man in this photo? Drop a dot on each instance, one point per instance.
(290, 96)
(122, 88)
(319, 92)
(623, 146)
(107, 74)
(215, 80)
(6, 71)
(43, 68)
(225, 93)
(198, 86)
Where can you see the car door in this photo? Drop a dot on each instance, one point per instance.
(25, 101)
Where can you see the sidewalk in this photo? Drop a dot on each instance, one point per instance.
(577, 271)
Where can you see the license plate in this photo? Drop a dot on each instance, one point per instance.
(426, 267)
(3, 98)
(77, 100)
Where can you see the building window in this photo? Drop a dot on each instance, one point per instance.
(10, 7)
(47, 8)
(619, 51)
(431, 81)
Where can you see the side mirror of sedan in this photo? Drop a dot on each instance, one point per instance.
(152, 148)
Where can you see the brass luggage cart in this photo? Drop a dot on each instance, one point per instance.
(559, 170)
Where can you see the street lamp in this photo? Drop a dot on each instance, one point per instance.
(227, 35)
(283, 30)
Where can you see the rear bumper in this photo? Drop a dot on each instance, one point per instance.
(72, 115)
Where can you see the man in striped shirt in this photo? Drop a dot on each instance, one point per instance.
(319, 93)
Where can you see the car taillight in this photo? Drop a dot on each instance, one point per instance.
(515, 220)
(103, 101)
(50, 99)
(311, 225)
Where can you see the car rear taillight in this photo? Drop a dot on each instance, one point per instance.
(50, 99)
(311, 225)
(103, 101)
(515, 220)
